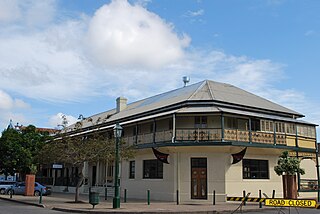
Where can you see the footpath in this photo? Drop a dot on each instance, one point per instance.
(65, 202)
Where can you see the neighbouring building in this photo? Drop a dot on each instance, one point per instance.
(200, 126)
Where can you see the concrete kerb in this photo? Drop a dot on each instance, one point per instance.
(56, 207)
(23, 202)
(145, 212)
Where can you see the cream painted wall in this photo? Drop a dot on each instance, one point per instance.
(161, 189)
(310, 168)
(224, 178)
(215, 175)
(235, 184)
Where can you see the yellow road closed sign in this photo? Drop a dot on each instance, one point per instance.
(276, 202)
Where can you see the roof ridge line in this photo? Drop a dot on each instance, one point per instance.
(203, 83)
(210, 90)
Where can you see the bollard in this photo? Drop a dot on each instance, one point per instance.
(214, 197)
(260, 203)
(244, 195)
(273, 193)
(148, 196)
(177, 197)
(105, 193)
(11, 191)
(125, 196)
(40, 198)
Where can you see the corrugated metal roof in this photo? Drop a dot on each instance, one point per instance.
(201, 91)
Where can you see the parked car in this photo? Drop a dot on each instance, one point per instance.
(19, 189)
(5, 185)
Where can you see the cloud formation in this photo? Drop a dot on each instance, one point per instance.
(57, 120)
(122, 50)
(124, 35)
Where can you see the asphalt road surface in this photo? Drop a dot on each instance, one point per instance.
(7, 207)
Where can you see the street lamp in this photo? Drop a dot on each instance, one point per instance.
(116, 199)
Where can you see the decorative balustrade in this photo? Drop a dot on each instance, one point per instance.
(163, 136)
(198, 134)
(236, 135)
(205, 134)
(145, 138)
(262, 137)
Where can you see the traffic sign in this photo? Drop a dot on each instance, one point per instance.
(278, 202)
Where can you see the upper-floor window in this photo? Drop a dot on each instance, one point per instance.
(200, 121)
(306, 131)
(235, 123)
(290, 128)
(230, 123)
(255, 125)
(280, 127)
(266, 125)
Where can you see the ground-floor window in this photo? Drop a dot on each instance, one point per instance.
(255, 169)
(132, 169)
(152, 169)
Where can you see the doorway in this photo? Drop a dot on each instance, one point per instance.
(199, 178)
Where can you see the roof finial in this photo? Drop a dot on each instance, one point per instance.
(10, 126)
(185, 80)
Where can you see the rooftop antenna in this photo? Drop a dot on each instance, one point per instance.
(185, 80)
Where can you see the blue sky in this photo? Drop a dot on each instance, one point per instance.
(75, 57)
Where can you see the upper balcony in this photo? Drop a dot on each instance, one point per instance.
(220, 129)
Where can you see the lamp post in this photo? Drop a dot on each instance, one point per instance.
(116, 199)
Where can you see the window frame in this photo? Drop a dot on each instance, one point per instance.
(132, 169)
(156, 173)
(258, 167)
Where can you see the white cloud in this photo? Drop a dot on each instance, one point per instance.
(10, 108)
(124, 35)
(9, 11)
(57, 120)
(195, 13)
(30, 12)
(138, 53)
(51, 63)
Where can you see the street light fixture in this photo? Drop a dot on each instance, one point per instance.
(116, 199)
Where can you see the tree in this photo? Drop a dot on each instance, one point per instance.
(77, 150)
(19, 148)
(288, 167)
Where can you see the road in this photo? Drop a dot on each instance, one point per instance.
(286, 211)
(7, 207)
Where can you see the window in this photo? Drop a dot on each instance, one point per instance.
(230, 123)
(280, 127)
(152, 169)
(235, 123)
(132, 169)
(242, 124)
(255, 125)
(306, 131)
(255, 169)
(291, 128)
(200, 122)
(266, 126)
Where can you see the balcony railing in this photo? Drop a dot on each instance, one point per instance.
(208, 134)
(198, 134)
